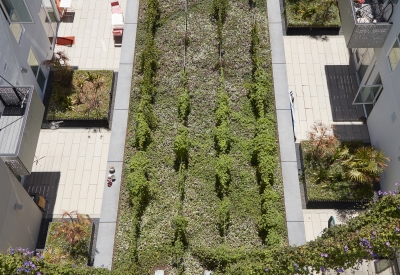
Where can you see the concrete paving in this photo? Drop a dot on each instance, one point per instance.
(70, 170)
(109, 209)
(90, 22)
(322, 77)
(294, 217)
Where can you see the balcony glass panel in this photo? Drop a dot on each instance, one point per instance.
(17, 11)
(366, 94)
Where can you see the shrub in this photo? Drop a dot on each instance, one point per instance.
(138, 182)
(142, 131)
(323, 143)
(223, 138)
(181, 181)
(272, 222)
(181, 143)
(310, 13)
(223, 173)
(364, 166)
(223, 213)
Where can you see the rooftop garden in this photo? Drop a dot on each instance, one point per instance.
(202, 177)
(309, 13)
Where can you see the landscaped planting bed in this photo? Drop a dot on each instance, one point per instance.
(312, 14)
(85, 96)
(202, 185)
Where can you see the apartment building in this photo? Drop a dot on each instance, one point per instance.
(28, 29)
(372, 31)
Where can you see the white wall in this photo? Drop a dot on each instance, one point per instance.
(35, 37)
(18, 228)
(384, 132)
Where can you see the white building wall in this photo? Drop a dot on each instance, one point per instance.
(34, 37)
(384, 120)
(18, 228)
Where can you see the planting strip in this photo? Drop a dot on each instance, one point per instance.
(291, 187)
(109, 207)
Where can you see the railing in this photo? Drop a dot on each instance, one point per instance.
(373, 12)
(365, 23)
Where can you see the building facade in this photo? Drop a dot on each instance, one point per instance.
(372, 32)
(28, 30)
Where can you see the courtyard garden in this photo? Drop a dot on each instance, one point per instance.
(202, 186)
(78, 94)
(339, 170)
(309, 13)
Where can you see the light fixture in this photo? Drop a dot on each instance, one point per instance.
(18, 206)
(23, 70)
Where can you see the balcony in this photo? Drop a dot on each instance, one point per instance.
(365, 25)
(21, 113)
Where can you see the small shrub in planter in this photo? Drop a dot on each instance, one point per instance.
(309, 13)
(87, 95)
(68, 241)
(337, 170)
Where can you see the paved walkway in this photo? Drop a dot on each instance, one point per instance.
(291, 186)
(70, 170)
(324, 85)
(109, 209)
(90, 22)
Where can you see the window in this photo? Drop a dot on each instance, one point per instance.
(363, 58)
(37, 71)
(18, 31)
(16, 11)
(394, 54)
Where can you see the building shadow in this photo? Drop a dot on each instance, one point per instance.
(45, 184)
(342, 87)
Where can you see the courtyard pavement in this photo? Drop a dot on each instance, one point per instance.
(322, 77)
(70, 170)
(90, 22)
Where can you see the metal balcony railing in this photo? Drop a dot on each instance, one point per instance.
(365, 24)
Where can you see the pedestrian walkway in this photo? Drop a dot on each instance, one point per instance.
(90, 22)
(109, 208)
(290, 179)
(69, 170)
(322, 78)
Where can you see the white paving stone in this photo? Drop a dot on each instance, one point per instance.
(81, 183)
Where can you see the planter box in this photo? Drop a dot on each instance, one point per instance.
(89, 255)
(326, 203)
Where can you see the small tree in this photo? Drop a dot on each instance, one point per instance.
(323, 142)
(59, 64)
(73, 227)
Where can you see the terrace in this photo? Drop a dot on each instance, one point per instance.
(365, 23)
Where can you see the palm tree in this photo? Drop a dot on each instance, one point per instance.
(365, 165)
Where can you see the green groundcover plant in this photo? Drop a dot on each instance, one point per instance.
(86, 95)
(310, 13)
(373, 235)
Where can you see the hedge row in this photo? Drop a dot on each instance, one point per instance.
(138, 181)
(145, 117)
(271, 224)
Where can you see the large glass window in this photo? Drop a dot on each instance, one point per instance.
(37, 71)
(48, 18)
(17, 11)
